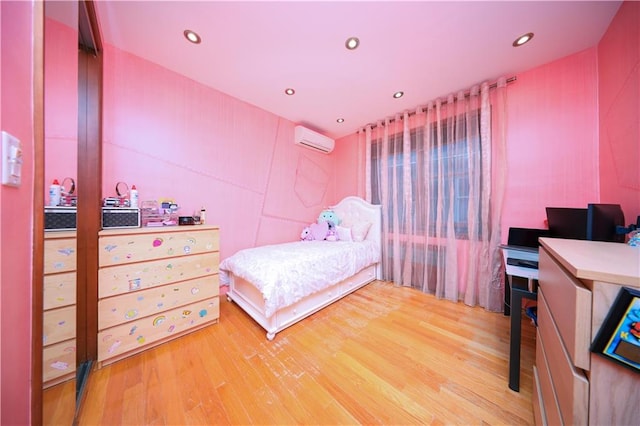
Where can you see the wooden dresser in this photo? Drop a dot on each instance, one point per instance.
(578, 283)
(59, 303)
(154, 284)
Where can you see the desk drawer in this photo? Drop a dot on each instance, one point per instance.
(569, 304)
(570, 385)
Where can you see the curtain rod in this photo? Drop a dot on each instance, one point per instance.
(466, 95)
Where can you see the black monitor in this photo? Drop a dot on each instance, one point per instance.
(567, 222)
(602, 220)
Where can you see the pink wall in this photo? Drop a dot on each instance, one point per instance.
(61, 102)
(349, 165)
(619, 101)
(552, 140)
(175, 138)
(16, 205)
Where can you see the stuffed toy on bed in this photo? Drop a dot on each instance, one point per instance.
(324, 229)
(330, 217)
(306, 234)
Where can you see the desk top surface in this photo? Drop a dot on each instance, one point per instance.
(598, 261)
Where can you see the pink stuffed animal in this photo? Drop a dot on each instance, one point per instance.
(306, 234)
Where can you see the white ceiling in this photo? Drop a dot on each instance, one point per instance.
(254, 50)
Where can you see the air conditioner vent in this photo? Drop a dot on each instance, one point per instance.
(313, 140)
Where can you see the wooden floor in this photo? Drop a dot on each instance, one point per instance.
(383, 355)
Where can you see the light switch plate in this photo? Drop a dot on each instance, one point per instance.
(11, 160)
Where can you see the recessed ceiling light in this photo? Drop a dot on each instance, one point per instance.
(289, 91)
(192, 36)
(398, 95)
(523, 39)
(340, 120)
(352, 43)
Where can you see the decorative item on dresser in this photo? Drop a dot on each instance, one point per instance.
(155, 284)
(578, 285)
(59, 303)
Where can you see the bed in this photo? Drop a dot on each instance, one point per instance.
(279, 285)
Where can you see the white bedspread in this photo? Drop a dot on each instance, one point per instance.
(286, 273)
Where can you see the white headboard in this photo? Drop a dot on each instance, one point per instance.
(354, 209)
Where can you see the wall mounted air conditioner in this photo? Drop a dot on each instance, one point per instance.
(314, 140)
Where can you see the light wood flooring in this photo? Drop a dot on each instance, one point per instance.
(383, 355)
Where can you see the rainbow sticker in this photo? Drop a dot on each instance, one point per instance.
(159, 320)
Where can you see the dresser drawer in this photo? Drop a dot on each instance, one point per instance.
(129, 307)
(59, 290)
(139, 334)
(549, 411)
(570, 385)
(59, 255)
(569, 303)
(58, 360)
(142, 246)
(58, 325)
(123, 279)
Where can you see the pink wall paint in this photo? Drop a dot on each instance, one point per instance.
(61, 102)
(349, 166)
(619, 112)
(552, 140)
(175, 138)
(15, 218)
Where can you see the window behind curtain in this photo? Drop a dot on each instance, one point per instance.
(454, 156)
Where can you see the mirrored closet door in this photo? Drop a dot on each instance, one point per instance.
(59, 358)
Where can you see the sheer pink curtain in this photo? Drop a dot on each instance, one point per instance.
(439, 174)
